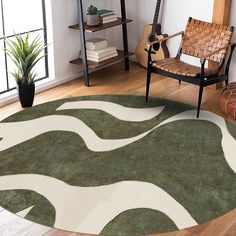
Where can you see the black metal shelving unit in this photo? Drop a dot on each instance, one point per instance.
(89, 66)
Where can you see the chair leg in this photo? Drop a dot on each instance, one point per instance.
(179, 81)
(149, 74)
(199, 100)
(227, 82)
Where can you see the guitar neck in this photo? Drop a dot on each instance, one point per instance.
(156, 17)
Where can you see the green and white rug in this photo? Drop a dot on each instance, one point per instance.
(114, 165)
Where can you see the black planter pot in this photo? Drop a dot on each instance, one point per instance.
(26, 94)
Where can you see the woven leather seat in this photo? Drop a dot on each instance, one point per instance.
(178, 67)
(206, 41)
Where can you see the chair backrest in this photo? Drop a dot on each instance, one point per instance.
(201, 38)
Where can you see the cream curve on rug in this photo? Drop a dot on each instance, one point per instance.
(24, 212)
(27, 130)
(90, 209)
(118, 111)
(46, 124)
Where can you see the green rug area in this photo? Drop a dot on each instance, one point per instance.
(137, 222)
(16, 200)
(184, 158)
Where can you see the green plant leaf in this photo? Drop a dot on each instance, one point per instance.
(25, 55)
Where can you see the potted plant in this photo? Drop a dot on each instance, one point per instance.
(25, 54)
(92, 16)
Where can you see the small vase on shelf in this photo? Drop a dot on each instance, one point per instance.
(92, 16)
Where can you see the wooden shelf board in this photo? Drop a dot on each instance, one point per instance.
(97, 65)
(90, 29)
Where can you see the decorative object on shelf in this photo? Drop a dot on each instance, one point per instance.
(228, 100)
(25, 53)
(107, 16)
(152, 32)
(92, 16)
(98, 50)
(218, 38)
(123, 55)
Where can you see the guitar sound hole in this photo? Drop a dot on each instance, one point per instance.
(156, 46)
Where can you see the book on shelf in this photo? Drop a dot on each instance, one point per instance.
(102, 52)
(108, 21)
(103, 58)
(96, 44)
(104, 21)
(107, 16)
(105, 12)
(98, 50)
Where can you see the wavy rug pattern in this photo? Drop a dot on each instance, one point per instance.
(117, 166)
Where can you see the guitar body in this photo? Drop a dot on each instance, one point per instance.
(142, 55)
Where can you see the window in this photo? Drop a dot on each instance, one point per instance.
(21, 17)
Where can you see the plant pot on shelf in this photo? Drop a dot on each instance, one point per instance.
(92, 20)
(26, 94)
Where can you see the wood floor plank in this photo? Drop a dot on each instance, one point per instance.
(15, 226)
(6, 217)
(34, 230)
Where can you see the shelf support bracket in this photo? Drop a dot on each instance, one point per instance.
(83, 43)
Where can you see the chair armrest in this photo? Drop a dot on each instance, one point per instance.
(203, 58)
(164, 39)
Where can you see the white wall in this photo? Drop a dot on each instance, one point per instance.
(175, 14)
(141, 12)
(66, 42)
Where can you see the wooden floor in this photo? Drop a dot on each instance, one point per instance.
(114, 80)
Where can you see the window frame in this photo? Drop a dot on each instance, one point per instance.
(45, 39)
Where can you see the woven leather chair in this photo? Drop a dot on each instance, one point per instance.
(206, 41)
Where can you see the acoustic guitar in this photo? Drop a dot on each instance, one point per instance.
(151, 33)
